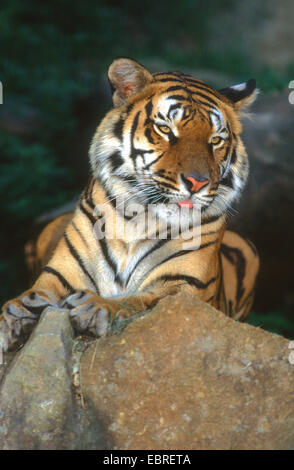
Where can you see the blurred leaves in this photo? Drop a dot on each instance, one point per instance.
(29, 178)
(278, 321)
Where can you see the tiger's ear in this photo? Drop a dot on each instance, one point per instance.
(242, 95)
(127, 77)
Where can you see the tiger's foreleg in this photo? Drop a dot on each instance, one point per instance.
(92, 314)
(89, 312)
(58, 279)
(20, 315)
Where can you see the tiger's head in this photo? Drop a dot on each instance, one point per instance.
(171, 138)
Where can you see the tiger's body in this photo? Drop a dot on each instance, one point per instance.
(171, 142)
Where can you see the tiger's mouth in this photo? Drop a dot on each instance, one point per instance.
(149, 192)
(155, 196)
(188, 204)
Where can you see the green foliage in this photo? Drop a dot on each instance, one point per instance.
(29, 179)
(278, 321)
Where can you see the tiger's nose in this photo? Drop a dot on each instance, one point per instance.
(194, 182)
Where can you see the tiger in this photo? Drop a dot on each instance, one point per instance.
(171, 143)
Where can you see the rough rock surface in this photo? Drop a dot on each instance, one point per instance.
(263, 29)
(182, 376)
(38, 409)
(186, 377)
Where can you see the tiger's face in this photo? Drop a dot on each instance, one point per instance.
(172, 139)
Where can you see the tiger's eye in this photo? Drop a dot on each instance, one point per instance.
(216, 140)
(164, 129)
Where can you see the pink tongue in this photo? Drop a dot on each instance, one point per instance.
(185, 204)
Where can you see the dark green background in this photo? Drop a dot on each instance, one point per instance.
(54, 57)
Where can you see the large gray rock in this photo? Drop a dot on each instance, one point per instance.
(187, 377)
(263, 31)
(182, 376)
(38, 408)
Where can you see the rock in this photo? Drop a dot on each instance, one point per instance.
(186, 377)
(263, 31)
(265, 212)
(38, 409)
(274, 39)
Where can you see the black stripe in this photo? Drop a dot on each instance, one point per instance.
(9, 312)
(116, 160)
(248, 298)
(112, 200)
(252, 246)
(176, 106)
(149, 108)
(227, 152)
(180, 253)
(63, 281)
(228, 181)
(155, 247)
(166, 185)
(209, 220)
(172, 138)
(89, 187)
(87, 195)
(208, 98)
(148, 135)
(146, 167)
(175, 78)
(234, 157)
(80, 234)
(161, 174)
(106, 254)
(128, 179)
(118, 128)
(135, 152)
(203, 86)
(88, 214)
(175, 88)
(109, 260)
(204, 103)
(221, 294)
(191, 82)
(189, 118)
(77, 257)
(178, 97)
(168, 79)
(191, 280)
(129, 109)
(133, 130)
(236, 258)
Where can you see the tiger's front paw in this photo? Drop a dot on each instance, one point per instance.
(19, 317)
(90, 313)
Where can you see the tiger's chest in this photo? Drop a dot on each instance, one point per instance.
(122, 272)
(125, 273)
